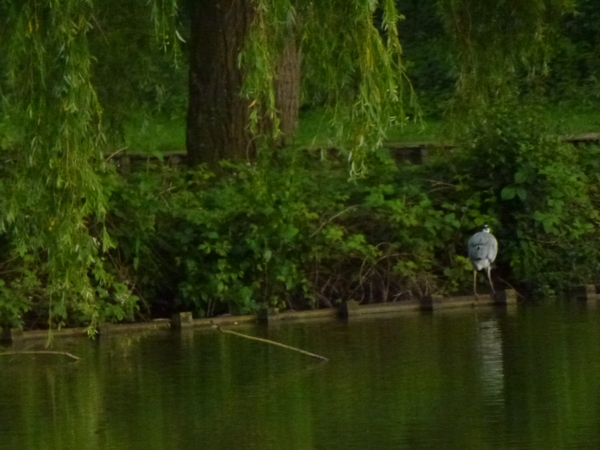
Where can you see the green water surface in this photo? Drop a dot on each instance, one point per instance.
(527, 378)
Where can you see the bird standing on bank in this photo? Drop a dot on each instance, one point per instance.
(483, 248)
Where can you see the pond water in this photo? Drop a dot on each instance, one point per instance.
(527, 378)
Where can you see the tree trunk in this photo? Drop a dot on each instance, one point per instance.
(287, 88)
(217, 122)
(217, 115)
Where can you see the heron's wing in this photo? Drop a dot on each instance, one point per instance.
(483, 246)
(493, 248)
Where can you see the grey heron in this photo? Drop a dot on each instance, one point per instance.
(483, 248)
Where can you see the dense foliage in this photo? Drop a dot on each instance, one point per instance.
(477, 50)
(290, 232)
(575, 64)
(53, 201)
(82, 244)
(293, 232)
(538, 191)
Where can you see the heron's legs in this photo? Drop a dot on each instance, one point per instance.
(489, 274)
(475, 282)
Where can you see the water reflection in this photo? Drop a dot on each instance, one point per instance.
(463, 379)
(489, 346)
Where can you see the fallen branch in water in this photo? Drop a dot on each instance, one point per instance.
(267, 341)
(41, 352)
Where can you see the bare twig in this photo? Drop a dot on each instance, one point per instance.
(268, 341)
(436, 183)
(115, 153)
(335, 216)
(512, 287)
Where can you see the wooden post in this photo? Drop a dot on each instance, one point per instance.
(5, 335)
(267, 315)
(104, 329)
(429, 302)
(182, 320)
(345, 310)
(586, 292)
(16, 334)
(124, 165)
(507, 297)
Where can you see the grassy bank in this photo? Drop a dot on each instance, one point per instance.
(161, 135)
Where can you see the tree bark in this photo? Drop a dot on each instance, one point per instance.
(218, 117)
(217, 122)
(287, 88)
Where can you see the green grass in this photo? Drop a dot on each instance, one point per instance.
(162, 135)
(155, 135)
(315, 131)
(568, 121)
(425, 131)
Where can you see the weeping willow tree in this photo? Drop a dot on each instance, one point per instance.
(58, 83)
(250, 58)
(498, 44)
(53, 197)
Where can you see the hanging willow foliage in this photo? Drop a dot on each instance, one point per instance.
(498, 41)
(54, 203)
(53, 199)
(351, 56)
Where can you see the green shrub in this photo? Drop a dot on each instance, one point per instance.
(290, 231)
(532, 189)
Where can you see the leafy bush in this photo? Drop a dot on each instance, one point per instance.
(289, 231)
(533, 190)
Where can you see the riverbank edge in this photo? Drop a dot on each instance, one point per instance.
(589, 294)
(346, 310)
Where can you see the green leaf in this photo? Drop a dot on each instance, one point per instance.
(508, 193)
(288, 233)
(267, 255)
(521, 177)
